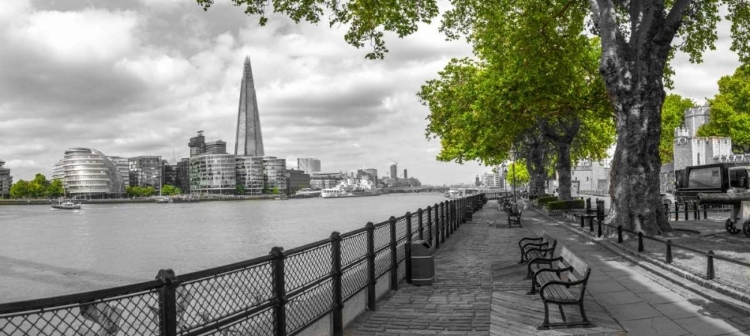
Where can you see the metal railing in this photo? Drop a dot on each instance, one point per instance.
(282, 293)
(710, 273)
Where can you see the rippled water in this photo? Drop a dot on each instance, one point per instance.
(46, 252)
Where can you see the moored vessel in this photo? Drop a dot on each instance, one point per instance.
(67, 205)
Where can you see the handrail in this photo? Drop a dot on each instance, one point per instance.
(253, 290)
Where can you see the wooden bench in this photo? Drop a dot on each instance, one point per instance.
(514, 216)
(539, 247)
(565, 271)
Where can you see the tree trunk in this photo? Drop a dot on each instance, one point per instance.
(535, 164)
(563, 170)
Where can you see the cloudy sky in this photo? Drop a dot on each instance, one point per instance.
(140, 77)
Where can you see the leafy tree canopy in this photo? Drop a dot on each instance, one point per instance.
(518, 170)
(169, 189)
(672, 115)
(730, 110)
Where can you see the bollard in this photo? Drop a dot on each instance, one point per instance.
(669, 251)
(619, 233)
(371, 266)
(705, 211)
(710, 265)
(695, 210)
(337, 307)
(640, 241)
(591, 224)
(686, 211)
(599, 232)
(676, 211)
(583, 223)
(279, 286)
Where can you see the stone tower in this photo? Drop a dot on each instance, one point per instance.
(249, 138)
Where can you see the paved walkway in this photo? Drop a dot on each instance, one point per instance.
(480, 290)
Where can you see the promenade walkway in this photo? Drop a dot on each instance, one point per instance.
(480, 290)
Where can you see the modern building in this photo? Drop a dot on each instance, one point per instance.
(123, 166)
(249, 137)
(91, 174)
(249, 174)
(213, 174)
(325, 180)
(58, 172)
(394, 171)
(5, 181)
(308, 165)
(296, 180)
(216, 147)
(146, 171)
(197, 144)
(183, 175)
(170, 173)
(370, 173)
(274, 171)
(405, 174)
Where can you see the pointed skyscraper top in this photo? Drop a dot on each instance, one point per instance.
(249, 137)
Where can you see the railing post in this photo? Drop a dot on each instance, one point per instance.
(583, 221)
(421, 227)
(452, 207)
(588, 206)
(619, 233)
(371, 281)
(337, 313)
(695, 210)
(687, 211)
(443, 228)
(599, 232)
(710, 275)
(437, 226)
(705, 211)
(279, 289)
(676, 211)
(429, 224)
(394, 256)
(640, 241)
(168, 302)
(591, 224)
(407, 248)
(669, 251)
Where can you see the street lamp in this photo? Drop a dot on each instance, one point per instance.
(513, 155)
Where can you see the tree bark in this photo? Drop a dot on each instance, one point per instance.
(562, 132)
(563, 170)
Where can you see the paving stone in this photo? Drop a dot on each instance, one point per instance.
(661, 326)
(661, 297)
(706, 326)
(617, 298)
(677, 310)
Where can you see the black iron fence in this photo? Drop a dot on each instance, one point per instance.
(603, 229)
(282, 293)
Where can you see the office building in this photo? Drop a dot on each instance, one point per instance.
(89, 173)
(405, 174)
(213, 174)
(308, 165)
(369, 173)
(325, 180)
(123, 166)
(249, 174)
(249, 140)
(146, 171)
(5, 181)
(170, 173)
(58, 172)
(197, 144)
(216, 147)
(275, 174)
(183, 175)
(296, 180)
(394, 171)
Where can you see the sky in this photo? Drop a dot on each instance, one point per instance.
(141, 77)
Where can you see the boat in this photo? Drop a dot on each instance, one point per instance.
(351, 187)
(161, 199)
(306, 193)
(453, 193)
(67, 205)
(185, 199)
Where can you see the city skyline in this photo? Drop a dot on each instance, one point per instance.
(138, 78)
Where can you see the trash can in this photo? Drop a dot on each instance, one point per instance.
(422, 263)
(468, 214)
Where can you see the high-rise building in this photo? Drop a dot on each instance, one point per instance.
(405, 175)
(123, 166)
(197, 144)
(5, 181)
(90, 173)
(216, 147)
(183, 175)
(394, 171)
(275, 173)
(296, 180)
(146, 171)
(249, 137)
(370, 173)
(213, 174)
(249, 174)
(58, 171)
(308, 165)
(170, 173)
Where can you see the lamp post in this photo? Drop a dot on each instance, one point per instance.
(513, 155)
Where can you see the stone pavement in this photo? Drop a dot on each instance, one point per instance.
(480, 290)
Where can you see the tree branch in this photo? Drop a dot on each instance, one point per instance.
(674, 19)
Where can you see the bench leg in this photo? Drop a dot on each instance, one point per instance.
(523, 260)
(533, 288)
(562, 313)
(586, 321)
(545, 324)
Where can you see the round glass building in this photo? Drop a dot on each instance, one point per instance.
(89, 173)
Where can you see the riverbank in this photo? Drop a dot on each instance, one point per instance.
(212, 198)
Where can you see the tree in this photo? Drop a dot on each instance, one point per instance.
(20, 189)
(240, 189)
(169, 189)
(730, 110)
(518, 170)
(672, 115)
(55, 189)
(637, 44)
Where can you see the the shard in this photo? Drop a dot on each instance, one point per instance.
(249, 138)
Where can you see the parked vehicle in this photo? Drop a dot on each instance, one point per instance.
(712, 178)
(667, 198)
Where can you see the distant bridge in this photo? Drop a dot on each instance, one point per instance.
(390, 190)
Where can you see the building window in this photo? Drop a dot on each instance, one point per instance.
(699, 158)
(587, 178)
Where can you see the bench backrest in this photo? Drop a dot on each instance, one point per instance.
(547, 238)
(580, 268)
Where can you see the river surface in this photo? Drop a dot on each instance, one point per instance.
(46, 252)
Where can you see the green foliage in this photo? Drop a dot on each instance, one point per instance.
(169, 189)
(39, 187)
(672, 114)
(137, 191)
(20, 189)
(566, 205)
(275, 190)
(546, 199)
(239, 189)
(730, 110)
(521, 173)
(55, 189)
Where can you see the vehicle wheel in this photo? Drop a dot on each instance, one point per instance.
(746, 228)
(731, 228)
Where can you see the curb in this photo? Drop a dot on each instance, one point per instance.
(725, 295)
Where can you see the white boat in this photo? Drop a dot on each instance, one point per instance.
(351, 188)
(452, 193)
(67, 205)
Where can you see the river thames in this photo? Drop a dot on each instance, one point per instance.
(46, 252)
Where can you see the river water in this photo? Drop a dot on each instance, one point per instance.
(46, 252)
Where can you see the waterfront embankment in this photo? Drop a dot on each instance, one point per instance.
(212, 198)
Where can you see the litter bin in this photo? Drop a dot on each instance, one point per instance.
(468, 214)
(422, 263)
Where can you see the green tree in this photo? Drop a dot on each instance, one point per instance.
(55, 189)
(275, 190)
(239, 189)
(20, 189)
(672, 115)
(169, 189)
(518, 170)
(637, 44)
(730, 110)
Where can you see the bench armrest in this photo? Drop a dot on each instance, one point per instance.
(529, 239)
(543, 251)
(531, 245)
(551, 270)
